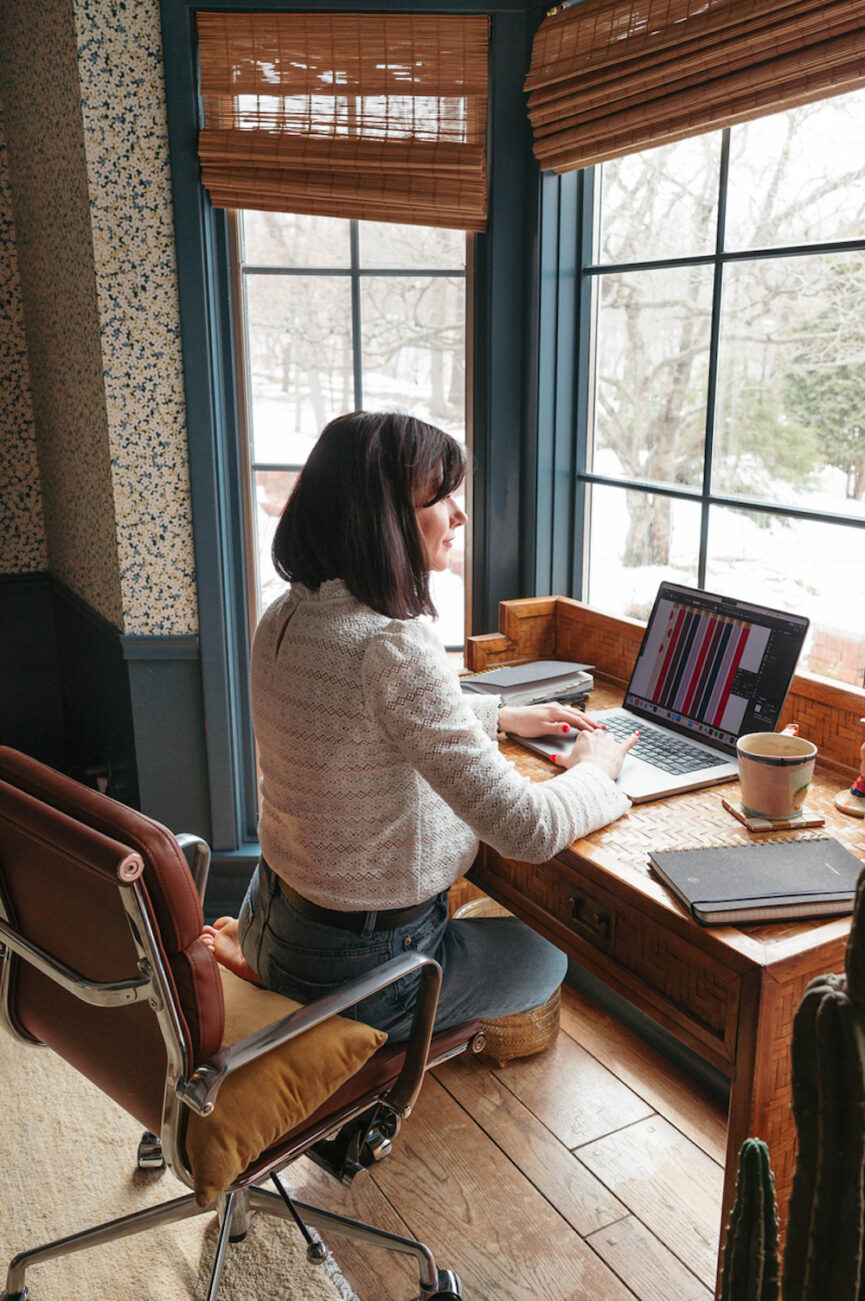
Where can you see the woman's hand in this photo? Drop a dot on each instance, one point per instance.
(600, 748)
(541, 720)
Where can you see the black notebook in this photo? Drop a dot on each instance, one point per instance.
(767, 881)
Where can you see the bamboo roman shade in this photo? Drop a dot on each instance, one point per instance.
(612, 77)
(376, 116)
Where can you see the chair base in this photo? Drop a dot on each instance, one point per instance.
(234, 1210)
(181, 1208)
(150, 1155)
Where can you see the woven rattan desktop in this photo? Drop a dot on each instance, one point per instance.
(729, 992)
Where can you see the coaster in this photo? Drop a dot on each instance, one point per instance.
(804, 818)
(847, 802)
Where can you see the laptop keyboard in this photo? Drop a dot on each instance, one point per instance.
(664, 750)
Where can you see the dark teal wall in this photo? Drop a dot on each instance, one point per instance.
(119, 713)
(164, 681)
(31, 702)
(94, 691)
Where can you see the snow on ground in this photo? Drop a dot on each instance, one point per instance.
(805, 567)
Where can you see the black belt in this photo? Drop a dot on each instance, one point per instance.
(387, 919)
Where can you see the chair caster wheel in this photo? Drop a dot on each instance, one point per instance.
(150, 1152)
(448, 1288)
(316, 1253)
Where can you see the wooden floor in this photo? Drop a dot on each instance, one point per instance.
(591, 1171)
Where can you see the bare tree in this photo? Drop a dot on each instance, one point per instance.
(653, 326)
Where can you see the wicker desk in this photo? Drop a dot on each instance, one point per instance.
(729, 992)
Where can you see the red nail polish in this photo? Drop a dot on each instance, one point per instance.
(552, 758)
(565, 727)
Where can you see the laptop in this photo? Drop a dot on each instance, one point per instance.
(709, 669)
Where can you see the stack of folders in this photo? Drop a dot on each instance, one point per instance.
(762, 882)
(532, 684)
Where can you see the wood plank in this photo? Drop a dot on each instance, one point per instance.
(569, 1090)
(565, 1182)
(643, 1263)
(482, 1217)
(371, 1271)
(678, 1098)
(669, 1184)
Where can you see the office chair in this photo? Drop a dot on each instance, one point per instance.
(101, 959)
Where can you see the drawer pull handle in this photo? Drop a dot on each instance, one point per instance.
(587, 918)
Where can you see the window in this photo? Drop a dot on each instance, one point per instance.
(340, 315)
(723, 386)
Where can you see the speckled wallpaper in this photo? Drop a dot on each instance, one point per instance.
(48, 179)
(22, 529)
(126, 144)
(90, 185)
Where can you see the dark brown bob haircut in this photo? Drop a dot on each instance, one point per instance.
(352, 512)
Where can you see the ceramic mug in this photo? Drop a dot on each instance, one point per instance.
(775, 771)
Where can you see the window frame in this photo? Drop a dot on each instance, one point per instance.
(569, 273)
(355, 273)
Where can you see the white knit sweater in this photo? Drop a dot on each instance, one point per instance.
(379, 776)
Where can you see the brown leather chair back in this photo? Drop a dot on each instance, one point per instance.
(53, 845)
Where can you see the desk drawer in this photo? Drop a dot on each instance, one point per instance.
(607, 930)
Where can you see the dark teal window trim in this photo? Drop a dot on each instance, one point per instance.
(503, 344)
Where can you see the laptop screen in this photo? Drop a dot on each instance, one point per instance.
(713, 667)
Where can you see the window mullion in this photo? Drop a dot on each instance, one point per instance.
(356, 351)
(550, 326)
(584, 352)
(714, 338)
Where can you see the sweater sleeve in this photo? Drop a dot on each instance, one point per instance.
(413, 693)
(486, 710)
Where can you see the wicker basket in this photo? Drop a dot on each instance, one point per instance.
(523, 1033)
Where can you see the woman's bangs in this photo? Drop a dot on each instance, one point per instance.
(451, 466)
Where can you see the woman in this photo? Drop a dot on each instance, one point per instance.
(378, 775)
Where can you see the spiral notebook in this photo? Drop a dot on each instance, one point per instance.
(766, 881)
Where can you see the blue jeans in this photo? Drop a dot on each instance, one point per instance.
(491, 966)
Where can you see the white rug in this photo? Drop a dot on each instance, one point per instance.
(67, 1162)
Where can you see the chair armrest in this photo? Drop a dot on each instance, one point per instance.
(200, 1089)
(201, 862)
(115, 993)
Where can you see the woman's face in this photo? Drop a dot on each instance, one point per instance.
(437, 525)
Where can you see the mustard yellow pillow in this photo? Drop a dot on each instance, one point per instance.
(264, 1100)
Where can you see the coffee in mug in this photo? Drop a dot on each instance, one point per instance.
(775, 771)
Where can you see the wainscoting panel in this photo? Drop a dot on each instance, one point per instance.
(164, 675)
(31, 707)
(124, 715)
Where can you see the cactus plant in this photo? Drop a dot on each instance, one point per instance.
(854, 958)
(825, 1246)
(806, 1102)
(824, 1250)
(750, 1264)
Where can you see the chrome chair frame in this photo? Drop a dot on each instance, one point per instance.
(196, 1087)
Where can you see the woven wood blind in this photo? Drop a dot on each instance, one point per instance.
(612, 77)
(376, 116)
